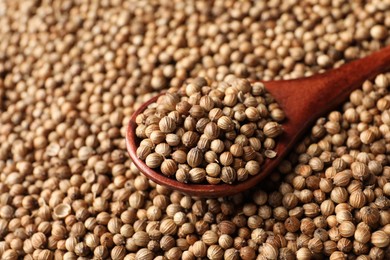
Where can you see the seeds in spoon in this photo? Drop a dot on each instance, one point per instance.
(218, 147)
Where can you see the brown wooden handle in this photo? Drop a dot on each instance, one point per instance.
(305, 100)
(313, 96)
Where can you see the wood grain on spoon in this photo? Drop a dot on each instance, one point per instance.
(303, 101)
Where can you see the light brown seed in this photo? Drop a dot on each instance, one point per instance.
(228, 175)
(197, 175)
(167, 124)
(143, 151)
(194, 157)
(154, 160)
(380, 239)
(190, 139)
(225, 123)
(168, 167)
(272, 129)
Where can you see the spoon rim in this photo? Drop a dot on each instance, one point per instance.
(198, 190)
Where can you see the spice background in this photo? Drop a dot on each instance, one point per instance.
(73, 72)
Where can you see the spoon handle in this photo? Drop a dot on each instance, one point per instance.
(305, 100)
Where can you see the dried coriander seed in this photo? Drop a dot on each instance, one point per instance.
(154, 160)
(194, 157)
(228, 175)
(168, 167)
(197, 175)
(272, 129)
(143, 151)
(167, 124)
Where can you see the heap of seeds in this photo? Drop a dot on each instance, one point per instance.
(212, 134)
(73, 72)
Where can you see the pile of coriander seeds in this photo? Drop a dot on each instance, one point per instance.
(73, 72)
(210, 133)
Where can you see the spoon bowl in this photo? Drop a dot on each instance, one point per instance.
(303, 101)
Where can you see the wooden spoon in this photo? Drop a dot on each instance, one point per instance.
(303, 101)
